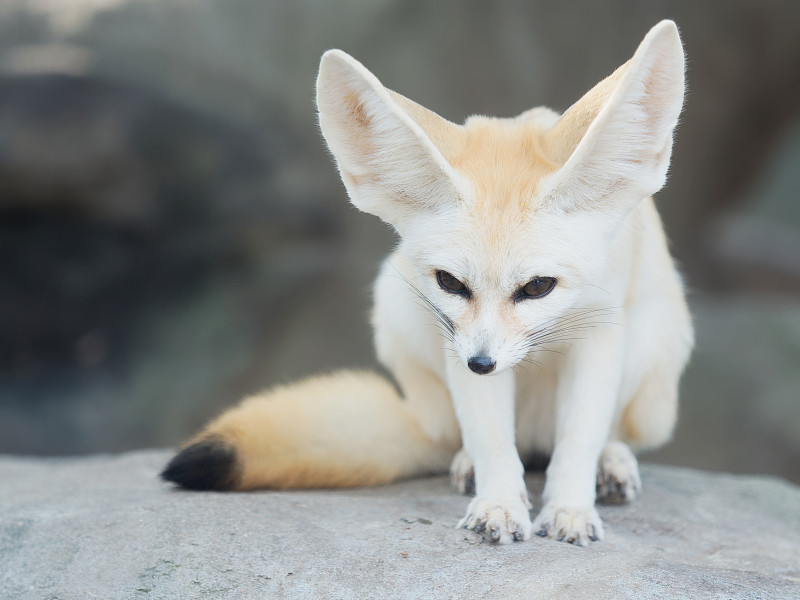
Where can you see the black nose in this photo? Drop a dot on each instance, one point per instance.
(481, 365)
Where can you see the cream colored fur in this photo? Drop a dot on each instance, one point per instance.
(497, 202)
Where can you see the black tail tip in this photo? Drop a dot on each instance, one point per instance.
(210, 464)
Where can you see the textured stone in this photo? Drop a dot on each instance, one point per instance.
(106, 527)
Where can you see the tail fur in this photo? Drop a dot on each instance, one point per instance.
(341, 430)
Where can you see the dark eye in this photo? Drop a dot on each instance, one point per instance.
(450, 284)
(538, 287)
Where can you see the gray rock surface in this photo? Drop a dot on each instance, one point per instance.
(106, 527)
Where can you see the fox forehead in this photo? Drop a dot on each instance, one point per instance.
(497, 254)
(504, 160)
(500, 225)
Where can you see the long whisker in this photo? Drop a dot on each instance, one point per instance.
(578, 319)
(563, 330)
(584, 314)
(442, 322)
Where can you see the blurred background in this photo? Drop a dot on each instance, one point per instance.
(173, 233)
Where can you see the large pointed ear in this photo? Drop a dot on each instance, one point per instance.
(615, 142)
(387, 159)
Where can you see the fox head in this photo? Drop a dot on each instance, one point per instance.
(507, 221)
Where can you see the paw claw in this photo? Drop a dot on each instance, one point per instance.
(500, 521)
(593, 533)
(574, 525)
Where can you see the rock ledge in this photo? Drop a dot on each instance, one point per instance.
(106, 527)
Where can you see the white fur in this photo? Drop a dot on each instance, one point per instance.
(595, 231)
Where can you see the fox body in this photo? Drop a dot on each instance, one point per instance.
(531, 307)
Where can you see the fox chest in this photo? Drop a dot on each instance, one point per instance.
(535, 407)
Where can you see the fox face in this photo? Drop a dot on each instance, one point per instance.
(507, 221)
(502, 285)
(501, 268)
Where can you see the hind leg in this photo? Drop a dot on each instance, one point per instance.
(649, 418)
(462, 473)
(645, 422)
(618, 477)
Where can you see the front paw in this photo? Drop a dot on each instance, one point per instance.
(502, 521)
(576, 525)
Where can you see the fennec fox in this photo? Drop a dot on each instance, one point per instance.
(531, 306)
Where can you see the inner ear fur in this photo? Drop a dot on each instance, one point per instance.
(387, 148)
(615, 142)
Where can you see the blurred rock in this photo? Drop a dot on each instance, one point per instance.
(756, 248)
(123, 214)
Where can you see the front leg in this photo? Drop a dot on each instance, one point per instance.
(588, 391)
(485, 410)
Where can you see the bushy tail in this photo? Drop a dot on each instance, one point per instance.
(341, 430)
